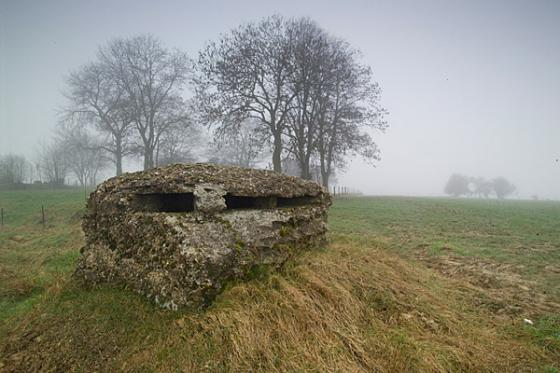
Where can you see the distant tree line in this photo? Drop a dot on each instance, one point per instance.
(70, 154)
(14, 169)
(279, 88)
(461, 185)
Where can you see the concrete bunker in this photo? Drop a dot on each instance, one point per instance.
(178, 234)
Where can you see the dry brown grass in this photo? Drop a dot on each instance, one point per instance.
(346, 309)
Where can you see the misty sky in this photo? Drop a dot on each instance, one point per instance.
(471, 86)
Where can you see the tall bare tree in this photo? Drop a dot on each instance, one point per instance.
(350, 110)
(310, 54)
(313, 98)
(244, 147)
(53, 163)
(96, 100)
(178, 146)
(247, 74)
(152, 78)
(85, 156)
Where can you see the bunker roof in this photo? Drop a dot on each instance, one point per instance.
(180, 178)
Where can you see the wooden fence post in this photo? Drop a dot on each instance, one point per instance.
(2, 216)
(43, 215)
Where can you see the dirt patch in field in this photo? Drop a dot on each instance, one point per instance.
(28, 351)
(501, 287)
(43, 341)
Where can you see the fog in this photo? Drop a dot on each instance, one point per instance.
(471, 87)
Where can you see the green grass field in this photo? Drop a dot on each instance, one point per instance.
(523, 234)
(405, 284)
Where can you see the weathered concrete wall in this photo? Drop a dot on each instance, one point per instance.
(178, 234)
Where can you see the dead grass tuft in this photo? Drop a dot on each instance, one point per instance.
(13, 287)
(501, 288)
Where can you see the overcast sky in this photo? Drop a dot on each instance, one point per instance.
(471, 86)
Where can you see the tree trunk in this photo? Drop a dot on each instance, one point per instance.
(325, 169)
(148, 158)
(305, 174)
(277, 152)
(307, 166)
(118, 156)
(119, 164)
(325, 179)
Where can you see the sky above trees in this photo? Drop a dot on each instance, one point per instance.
(471, 87)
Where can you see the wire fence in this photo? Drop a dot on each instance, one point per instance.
(4, 218)
(343, 191)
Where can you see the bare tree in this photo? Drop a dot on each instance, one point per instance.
(482, 187)
(310, 54)
(246, 74)
(242, 147)
(14, 169)
(53, 163)
(349, 107)
(152, 78)
(85, 157)
(457, 185)
(178, 146)
(502, 187)
(96, 100)
(291, 166)
(308, 90)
